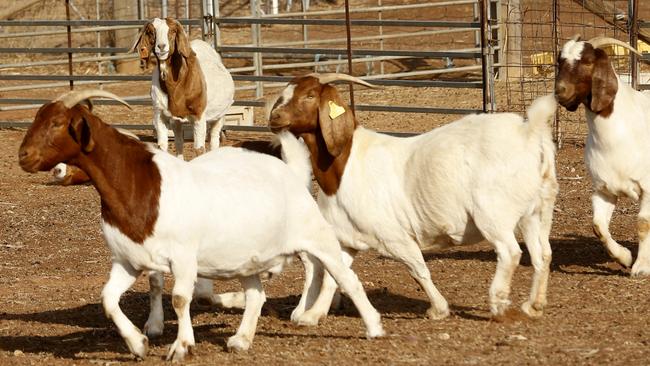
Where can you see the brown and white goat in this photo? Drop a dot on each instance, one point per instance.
(243, 214)
(617, 153)
(189, 84)
(480, 177)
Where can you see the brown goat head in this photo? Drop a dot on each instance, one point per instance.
(60, 131)
(310, 105)
(165, 37)
(586, 76)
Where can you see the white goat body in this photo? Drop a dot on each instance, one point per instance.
(479, 177)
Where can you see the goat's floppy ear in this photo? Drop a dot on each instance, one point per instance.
(182, 44)
(604, 84)
(79, 129)
(142, 43)
(336, 120)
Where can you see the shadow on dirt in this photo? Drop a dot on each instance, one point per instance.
(574, 254)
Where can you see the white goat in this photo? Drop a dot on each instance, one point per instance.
(617, 152)
(477, 178)
(187, 84)
(243, 213)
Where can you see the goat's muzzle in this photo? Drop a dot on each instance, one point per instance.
(29, 160)
(565, 95)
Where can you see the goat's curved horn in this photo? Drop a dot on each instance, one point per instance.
(72, 98)
(598, 42)
(576, 37)
(331, 77)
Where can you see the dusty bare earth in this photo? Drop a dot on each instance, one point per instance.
(53, 264)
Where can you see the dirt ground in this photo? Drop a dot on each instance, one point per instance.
(53, 264)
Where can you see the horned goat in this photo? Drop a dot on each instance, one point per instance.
(220, 194)
(189, 84)
(477, 178)
(617, 152)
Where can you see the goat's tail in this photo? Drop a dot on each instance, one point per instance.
(295, 155)
(540, 112)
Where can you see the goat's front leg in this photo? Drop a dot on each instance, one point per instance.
(155, 323)
(255, 298)
(161, 127)
(200, 127)
(184, 269)
(122, 277)
(642, 265)
(410, 254)
(603, 205)
(215, 132)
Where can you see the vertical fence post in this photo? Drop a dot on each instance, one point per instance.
(486, 59)
(257, 56)
(557, 129)
(633, 31)
(67, 16)
(349, 44)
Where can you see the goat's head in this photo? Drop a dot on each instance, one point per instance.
(60, 131)
(585, 75)
(309, 104)
(165, 37)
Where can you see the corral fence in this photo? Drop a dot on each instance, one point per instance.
(492, 54)
(413, 53)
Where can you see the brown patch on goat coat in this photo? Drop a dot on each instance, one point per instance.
(643, 226)
(329, 140)
(590, 81)
(74, 176)
(120, 168)
(185, 82)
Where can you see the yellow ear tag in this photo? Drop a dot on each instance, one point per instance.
(335, 109)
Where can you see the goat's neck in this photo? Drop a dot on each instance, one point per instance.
(328, 169)
(127, 179)
(184, 85)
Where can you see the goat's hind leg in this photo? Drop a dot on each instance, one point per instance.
(603, 205)
(329, 254)
(215, 132)
(255, 298)
(122, 277)
(641, 266)
(184, 269)
(323, 285)
(539, 247)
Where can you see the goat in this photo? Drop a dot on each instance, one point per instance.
(189, 84)
(477, 178)
(617, 152)
(243, 214)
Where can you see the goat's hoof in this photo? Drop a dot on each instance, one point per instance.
(533, 310)
(178, 350)
(308, 319)
(138, 345)
(375, 332)
(499, 307)
(153, 329)
(238, 343)
(435, 314)
(624, 258)
(640, 268)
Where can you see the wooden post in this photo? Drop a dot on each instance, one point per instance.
(124, 38)
(513, 43)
